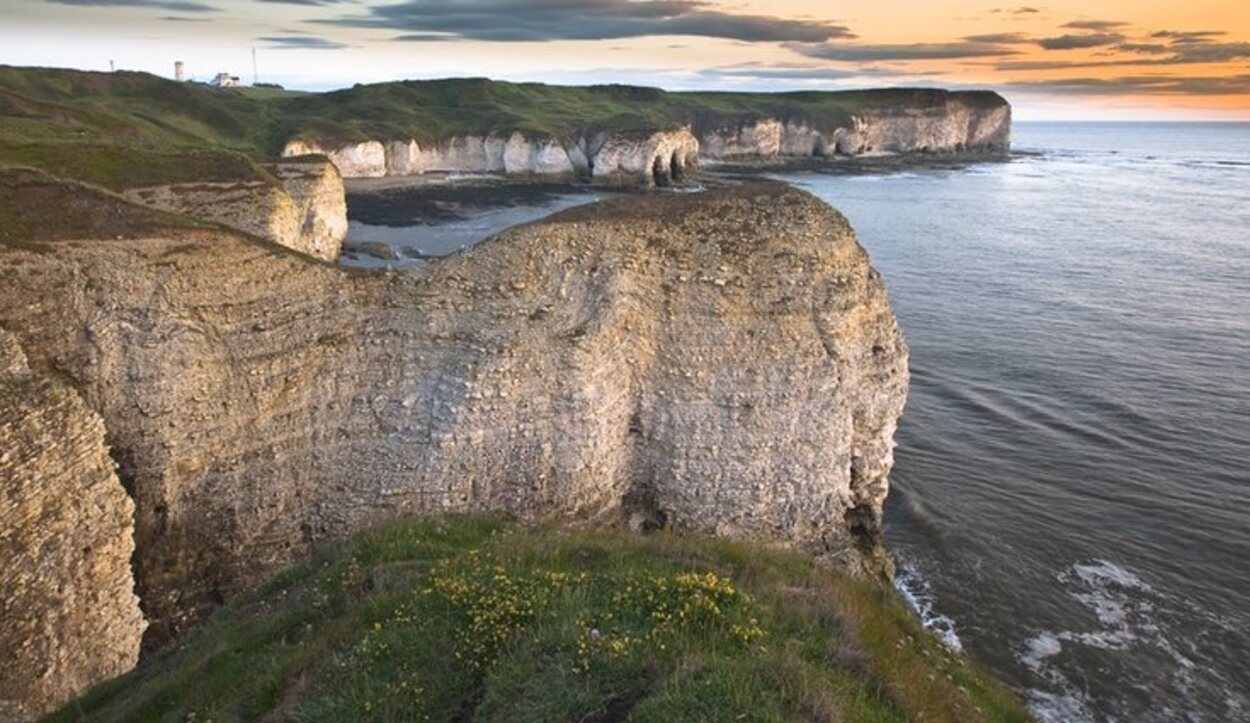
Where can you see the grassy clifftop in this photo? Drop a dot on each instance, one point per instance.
(50, 118)
(479, 619)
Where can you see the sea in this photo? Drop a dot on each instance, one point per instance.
(1071, 497)
(1070, 503)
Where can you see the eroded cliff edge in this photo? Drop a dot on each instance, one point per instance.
(800, 126)
(726, 362)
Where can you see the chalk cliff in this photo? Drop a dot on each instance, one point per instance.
(935, 122)
(300, 205)
(647, 158)
(725, 362)
(69, 617)
(948, 126)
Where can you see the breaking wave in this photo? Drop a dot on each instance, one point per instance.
(916, 592)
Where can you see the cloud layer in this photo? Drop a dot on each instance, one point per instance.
(182, 6)
(544, 20)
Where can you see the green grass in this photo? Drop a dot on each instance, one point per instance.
(37, 210)
(477, 618)
(117, 167)
(54, 112)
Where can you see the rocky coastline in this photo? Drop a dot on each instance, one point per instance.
(665, 156)
(196, 394)
(639, 361)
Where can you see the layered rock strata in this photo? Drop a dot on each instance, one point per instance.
(942, 124)
(951, 126)
(69, 617)
(725, 362)
(648, 158)
(300, 206)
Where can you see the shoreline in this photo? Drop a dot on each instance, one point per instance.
(399, 221)
(438, 198)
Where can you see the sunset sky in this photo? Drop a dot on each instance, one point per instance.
(1057, 59)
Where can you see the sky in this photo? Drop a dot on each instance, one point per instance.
(1058, 59)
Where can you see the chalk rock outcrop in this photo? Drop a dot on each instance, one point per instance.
(69, 617)
(758, 138)
(636, 158)
(952, 127)
(657, 158)
(725, 362)
(316, 189)
(947, 125)
(883, 122)
(354, 160)
(302, 207)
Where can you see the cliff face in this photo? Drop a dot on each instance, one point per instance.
(725, 363)
(950, 126)
(644, 158)
(657, 158)
(302, 207)
(69, 617)
(937, 123)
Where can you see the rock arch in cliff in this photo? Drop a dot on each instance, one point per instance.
(677, 166)
(661, 175)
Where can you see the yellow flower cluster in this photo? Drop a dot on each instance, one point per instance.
(495, 606)
(406, 695)
(623, 616)
(653, 611)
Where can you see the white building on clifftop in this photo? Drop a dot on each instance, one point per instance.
(225, 80)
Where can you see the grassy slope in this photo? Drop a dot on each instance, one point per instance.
(122, 130)
(59, 115)
(36, 209)
(479, 619)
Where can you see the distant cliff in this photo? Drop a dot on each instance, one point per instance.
(604, 134)
(821, 125)
(726, 363)
(297, 203)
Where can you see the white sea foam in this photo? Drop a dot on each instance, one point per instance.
(1097, 572)
(1038, 649)
(916, 592)
(1125, 608)
(1067, 707)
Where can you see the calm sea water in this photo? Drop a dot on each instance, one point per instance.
(1071, 501)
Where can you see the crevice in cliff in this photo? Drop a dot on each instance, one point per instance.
(121, 463)
(640, 505)
(862, 519)
(641, 509)
(863, 526)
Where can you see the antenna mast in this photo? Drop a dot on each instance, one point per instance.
(255, 72)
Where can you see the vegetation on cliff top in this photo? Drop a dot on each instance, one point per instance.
(36, 209)
(68, 116)
(476, 618)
